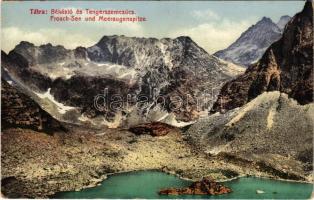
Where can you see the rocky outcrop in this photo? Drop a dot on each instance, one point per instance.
(204, 187)
(16, 67)
(286, 66)
(252, 44)
(18, 110)
(153, 129)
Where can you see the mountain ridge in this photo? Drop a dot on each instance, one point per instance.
(169, 67)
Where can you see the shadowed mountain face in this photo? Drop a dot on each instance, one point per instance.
(171, 74)
(18, 110)
(253, 43)
(286, 66)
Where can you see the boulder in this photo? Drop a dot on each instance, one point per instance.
(153, 129)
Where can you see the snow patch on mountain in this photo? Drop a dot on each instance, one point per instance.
(61, 107)
(171, 119)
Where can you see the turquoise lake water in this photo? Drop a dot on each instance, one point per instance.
(146, 184)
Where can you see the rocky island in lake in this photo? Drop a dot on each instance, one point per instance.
(206, 186)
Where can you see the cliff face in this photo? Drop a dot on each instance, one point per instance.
(18, 110)
(286, 66)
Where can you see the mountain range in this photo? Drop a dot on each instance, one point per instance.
(66, 82)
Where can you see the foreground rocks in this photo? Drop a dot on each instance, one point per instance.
(272, 133)
(153, 129)
(206, 186)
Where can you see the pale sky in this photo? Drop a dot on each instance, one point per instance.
(213, 25)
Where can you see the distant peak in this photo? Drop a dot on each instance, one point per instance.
(114, 38)
(266, 19)
(285, 17)
(50, 46)
(25, 44)
(283, 21)
(186, 38)
(46, 45)
(106, 38)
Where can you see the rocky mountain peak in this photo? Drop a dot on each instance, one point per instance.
(187, 43)
(263, 26)
(141, 53)
(252, 43)
(24, 44)
(309, 6)
(184, 39)
(45, 53)
(265, 20)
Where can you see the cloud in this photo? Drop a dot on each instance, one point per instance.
(214, 36)
(212, 32)
(204, 15)
(86, 35)
(11, 36)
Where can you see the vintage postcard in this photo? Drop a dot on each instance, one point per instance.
(157, 99)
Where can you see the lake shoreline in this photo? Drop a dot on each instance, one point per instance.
(81, 159)
(108, 189)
